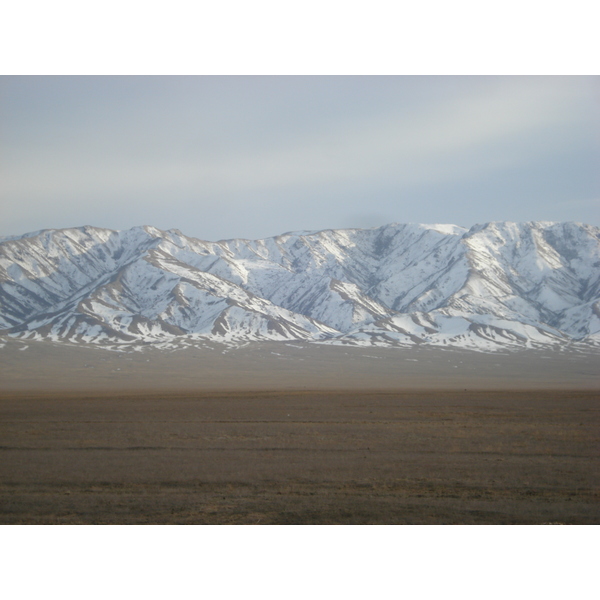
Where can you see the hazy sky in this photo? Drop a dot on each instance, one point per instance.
(223, 157)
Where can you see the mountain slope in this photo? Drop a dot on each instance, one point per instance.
(492, 286)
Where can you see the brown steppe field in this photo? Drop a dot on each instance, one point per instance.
(105, 438)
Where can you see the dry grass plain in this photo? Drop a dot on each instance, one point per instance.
(364, 456)
(295, 433)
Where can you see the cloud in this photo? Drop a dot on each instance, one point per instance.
(272, 142)
(414, 147)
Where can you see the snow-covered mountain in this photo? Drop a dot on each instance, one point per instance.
(492, 286)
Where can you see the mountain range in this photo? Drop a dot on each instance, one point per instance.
(493, 286)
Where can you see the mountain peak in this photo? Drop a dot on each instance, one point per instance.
(495, 285)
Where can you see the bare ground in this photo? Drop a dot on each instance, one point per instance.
(300, 457)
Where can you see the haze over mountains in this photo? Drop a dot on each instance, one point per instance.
(493, 286)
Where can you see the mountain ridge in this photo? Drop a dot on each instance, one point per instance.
(495, 285)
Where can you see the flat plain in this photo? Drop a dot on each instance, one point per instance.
(399, 449)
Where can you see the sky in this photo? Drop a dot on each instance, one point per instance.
(221, 157)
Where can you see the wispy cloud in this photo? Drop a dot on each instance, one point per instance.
(174, 146)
